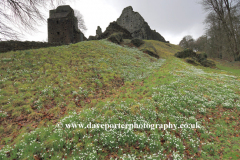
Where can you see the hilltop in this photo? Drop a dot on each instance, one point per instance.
(45, 92)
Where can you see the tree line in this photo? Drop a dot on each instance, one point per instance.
(222, 36)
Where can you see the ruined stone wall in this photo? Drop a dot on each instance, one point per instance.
(115, 28)
(98, 31)
(59, 30)
(130, 20)
(137, 26)
(6, 46)
(62, 26)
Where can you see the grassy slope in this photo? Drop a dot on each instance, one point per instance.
(117, 85)
(232, 67)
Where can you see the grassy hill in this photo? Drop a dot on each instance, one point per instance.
(50, 96)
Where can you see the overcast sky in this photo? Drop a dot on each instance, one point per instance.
(173, 19)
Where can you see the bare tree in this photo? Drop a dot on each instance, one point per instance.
(187, 42)
(201, 43)
(226, 14)
(81, 23)
(217, 43)
(22, 14)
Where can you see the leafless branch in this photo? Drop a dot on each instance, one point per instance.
(26, 15)
(81, 23)
(224, 16)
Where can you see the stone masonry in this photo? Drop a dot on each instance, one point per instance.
(137, 26)
(63, 26)
(115, 28)
(98, 31)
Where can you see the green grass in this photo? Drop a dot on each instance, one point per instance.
(99, 82)
(229, 69)
(163, 50)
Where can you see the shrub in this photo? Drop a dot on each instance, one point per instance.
(116, 38)
(137, 42)
(186, 53)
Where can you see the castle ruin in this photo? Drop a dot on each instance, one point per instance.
(136, 25)
(63, 26)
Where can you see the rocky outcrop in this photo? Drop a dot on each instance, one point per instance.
(115, 28)
(136, 25)
(150, 52)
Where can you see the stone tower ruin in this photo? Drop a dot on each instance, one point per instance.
(63, 26)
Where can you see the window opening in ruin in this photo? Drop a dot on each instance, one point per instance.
(57, 22)
(58, 33)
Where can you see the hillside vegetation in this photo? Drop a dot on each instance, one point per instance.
(47, 94)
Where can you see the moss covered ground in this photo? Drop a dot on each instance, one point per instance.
(50, 96)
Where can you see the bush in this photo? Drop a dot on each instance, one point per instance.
(116, 38)
(137, 42)
(201, 57)
(208, 63)
(186, 53)
(195, 59)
